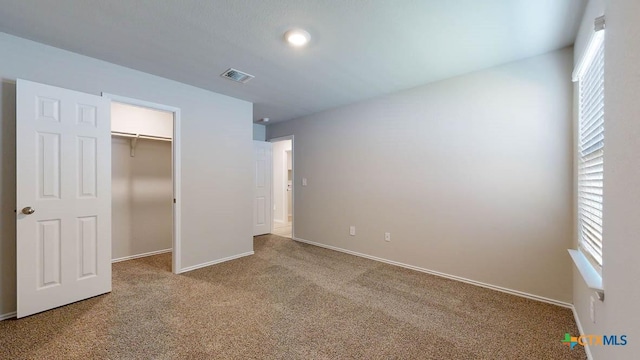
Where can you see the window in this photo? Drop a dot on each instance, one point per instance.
(591, 137)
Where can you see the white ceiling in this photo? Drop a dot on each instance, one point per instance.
(359, 48)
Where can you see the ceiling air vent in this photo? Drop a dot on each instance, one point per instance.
(237, 75)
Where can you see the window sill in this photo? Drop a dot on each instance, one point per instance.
(591, 277)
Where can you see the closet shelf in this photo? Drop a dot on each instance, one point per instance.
(140, 136)
(134, 139)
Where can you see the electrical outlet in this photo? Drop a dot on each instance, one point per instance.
(387, 236)
(592, 310)
(304, 181)
(352, 230)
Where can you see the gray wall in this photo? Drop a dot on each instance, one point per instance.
(259, 132)
(618, 314)
(216, 150)
(141, 197)
(472, 176)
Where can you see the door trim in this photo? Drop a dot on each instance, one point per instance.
(175, 159)
(293, 182)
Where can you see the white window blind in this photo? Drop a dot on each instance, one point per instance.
(591, 152)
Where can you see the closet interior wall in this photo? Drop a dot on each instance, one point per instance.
(142, 185)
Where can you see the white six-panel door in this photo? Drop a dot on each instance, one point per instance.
(63, 145)
(262, 213)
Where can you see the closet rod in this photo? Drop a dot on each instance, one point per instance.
(138, 136)
(134, 139)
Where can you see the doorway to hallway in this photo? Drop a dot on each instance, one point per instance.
(283, 186)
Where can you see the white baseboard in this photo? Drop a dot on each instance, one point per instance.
(8, 316)
(194, 267)
(158, 252)
(581, 330)
(437, 273)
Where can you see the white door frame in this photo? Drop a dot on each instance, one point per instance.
(175, 160)
(293, 181)
(288, 210)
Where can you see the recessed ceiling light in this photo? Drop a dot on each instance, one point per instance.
(297, 37)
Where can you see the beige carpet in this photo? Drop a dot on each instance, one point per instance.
(291, 301)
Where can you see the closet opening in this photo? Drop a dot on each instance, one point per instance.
(283, 186)
(144, 175)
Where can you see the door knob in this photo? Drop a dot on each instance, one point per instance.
(28, 210)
